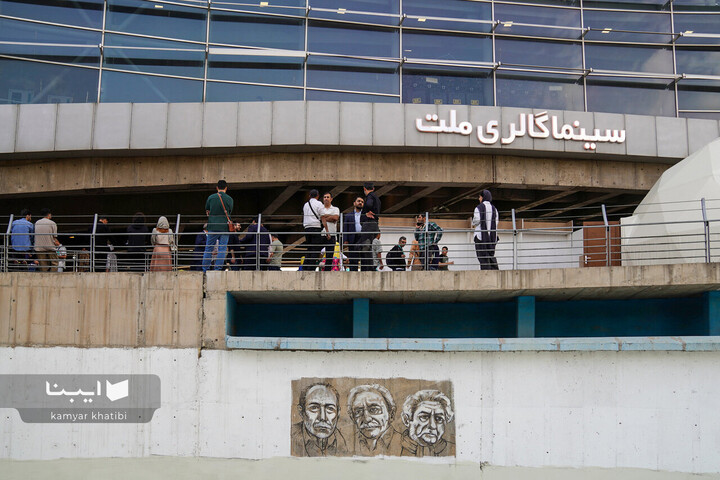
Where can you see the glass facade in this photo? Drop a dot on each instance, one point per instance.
(653, 57)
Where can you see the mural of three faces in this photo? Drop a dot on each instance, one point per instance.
(361, 417)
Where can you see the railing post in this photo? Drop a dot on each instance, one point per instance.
(340, 242)
(6, 244)
(515, 240)
(427, 239)
(706, 225)
(92, 243)
(176, 254)
(257, 242)
(607, 235)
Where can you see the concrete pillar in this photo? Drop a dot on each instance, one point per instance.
(712, 312)
(525, 314)
(361, 317)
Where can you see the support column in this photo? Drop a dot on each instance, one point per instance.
(361, 317)
(525, 315)
(712, 312)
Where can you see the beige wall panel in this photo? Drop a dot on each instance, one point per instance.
(64, 320)
(6, 308)
(160, 314)
(121, 321)
(190, 297)
(213, 326)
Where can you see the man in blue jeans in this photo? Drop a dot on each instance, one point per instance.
(218, 207)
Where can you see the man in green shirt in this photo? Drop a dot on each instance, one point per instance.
(276, 253)
(218, 207)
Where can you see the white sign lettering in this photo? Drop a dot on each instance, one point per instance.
(533, 125)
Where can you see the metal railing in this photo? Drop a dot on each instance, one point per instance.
(663, 233)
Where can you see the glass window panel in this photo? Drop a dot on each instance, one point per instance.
(354, 75)
(626, 95)
(117, 40)
(559, 17)
(349, 97)
(448, 15)
(271, 7)
(130, 87)
(86, 13)
(557, 92)
(697, 5)
(635, 22)
(381, 12)
(698, 95)
(628, 59)
(167, 62)
(33, 82)
(154, 19)
(79, 55)
(701, 61)
(447, 46)
(429, 23)
(447, 86)
(243, 68)
(563, 3)
(539, 53)
(704, 115)
(326, 37)
(257, 31)
(19, 31)
(628, 4)
(233, 92)
(705, 28)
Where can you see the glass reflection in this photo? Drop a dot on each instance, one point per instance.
(272, 7)
(129, 87)
(509, 15)
(628, 58)
(350, 74)
(87, 13)
(557, 92)
(233, 92)
(602, 21)
(257, 31)
(628, 4)
(167, 62)
(447, 86)
(155, 19)
(380, 12)
(19, 31)
(447, 46)
(349, 97)
(448, 15)
(643, 97)
(540, 53)
(699, 95)
(244, 68)
(327, 37)
(697, 27)
(33, 82)
(701, 61)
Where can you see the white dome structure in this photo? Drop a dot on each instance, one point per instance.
(668, 226)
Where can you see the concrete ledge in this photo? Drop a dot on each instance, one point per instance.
(604, 344)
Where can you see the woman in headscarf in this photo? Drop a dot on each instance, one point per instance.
(164, 242)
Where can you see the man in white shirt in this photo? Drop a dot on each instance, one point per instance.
(329, 216)
(313, 227)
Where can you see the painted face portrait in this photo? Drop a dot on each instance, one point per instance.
(427, 425)
(370, 414)
(321, 411)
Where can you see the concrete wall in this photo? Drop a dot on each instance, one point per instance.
(654, 411)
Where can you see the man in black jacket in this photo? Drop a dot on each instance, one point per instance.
(395, 258)
(352, 234)
(370, 227)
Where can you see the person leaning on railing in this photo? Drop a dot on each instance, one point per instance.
(21, 241)
(426, 241)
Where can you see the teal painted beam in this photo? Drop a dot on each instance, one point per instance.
(712, 312)
(525, 316)
(361, 317)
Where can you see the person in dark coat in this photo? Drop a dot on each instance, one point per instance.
(485, 220)
(352, 235)
(136, 243)
(252, 240)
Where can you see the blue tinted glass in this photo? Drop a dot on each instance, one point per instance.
(129, 87)
(383, 12)
(536, 91)
(167, 62)
(378, 6)
(272, 7)
(699, 25)
(87, 13)
(704, 115)
(448, 15)
(447, 46)
(539, 53)
(349, 97)
(19, 31)
(349, 16)
(273, 70)
(628, 4)
(325, 37)
(447, 86)
(155, 19)
(698, 95)
(630, 96)
(116, 40)
(697, 5)
(350, 74)
(257, 31)
(79, 55)
(628, 59)
(32, 82)
(608, 23)
(559, 17)
(705, 61)
(230, 92)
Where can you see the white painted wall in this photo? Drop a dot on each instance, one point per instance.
(647, 410)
